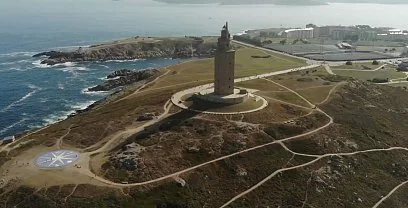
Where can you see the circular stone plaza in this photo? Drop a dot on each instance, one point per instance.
(201, 99)
(56, 159)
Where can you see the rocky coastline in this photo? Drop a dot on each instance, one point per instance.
(118, 79)
(135, 48)
(124, 77)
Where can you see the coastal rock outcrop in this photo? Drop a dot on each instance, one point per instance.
(124, 77)
(135, 48)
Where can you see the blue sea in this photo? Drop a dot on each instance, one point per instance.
(33, 95)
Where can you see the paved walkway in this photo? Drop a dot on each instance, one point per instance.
(176, 100)
(328, 69)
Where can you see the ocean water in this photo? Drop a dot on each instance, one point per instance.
(33, 95)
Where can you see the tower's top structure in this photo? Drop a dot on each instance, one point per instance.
(224, 42)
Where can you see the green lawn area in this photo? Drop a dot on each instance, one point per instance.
(369, 75)
(260, 84)
(319, 71)
(358, 66)
(315, 95)
(284, 96)
(245, 65)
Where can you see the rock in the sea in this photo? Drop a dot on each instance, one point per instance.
(123, 78)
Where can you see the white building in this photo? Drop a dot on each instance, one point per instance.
(393, 34)
(306, 33)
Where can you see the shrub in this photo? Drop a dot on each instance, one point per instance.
(375, 62)
(349, 63)
(379, 80)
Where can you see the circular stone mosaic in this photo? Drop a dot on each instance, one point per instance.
(56, 159)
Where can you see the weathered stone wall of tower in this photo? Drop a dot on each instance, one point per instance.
(224, 72)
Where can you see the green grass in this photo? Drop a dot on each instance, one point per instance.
(316, 95)
(319, 71)
(369, 75)
(284, 96)
(245, 65)
(358, 66)
(259, 84)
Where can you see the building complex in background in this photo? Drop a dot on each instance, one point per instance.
(363, 33)
(306, 33)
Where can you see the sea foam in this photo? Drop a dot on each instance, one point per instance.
(62, 115)
(98, 93)
(13, 104)
(38, 64)
(15, 54)
(4, 130)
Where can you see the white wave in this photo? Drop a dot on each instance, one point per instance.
(106, 79)
(62, 115)
(122, 61)
(43, 100)
(71, 69)
(113, 78)
(86, 91)
(14, 54)
(13, 104)
(66, 64)
(83, 105)
(104, 66)
(15, 62)
(38, 64)
(4, 130)
(61, 86)
(13, 69)
(56, 117)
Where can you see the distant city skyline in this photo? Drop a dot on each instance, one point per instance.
(282, 2)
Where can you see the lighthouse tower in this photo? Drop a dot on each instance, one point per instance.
(224, 64)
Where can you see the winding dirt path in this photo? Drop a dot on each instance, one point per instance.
(294, 92)
(318, 157)
(331, 92)
(60, 140)
(389, 194)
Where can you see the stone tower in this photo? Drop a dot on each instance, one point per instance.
(224, 64)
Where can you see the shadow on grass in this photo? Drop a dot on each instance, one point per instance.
(201, 105)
